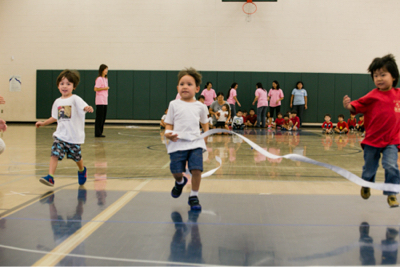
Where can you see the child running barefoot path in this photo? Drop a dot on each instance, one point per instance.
(69, 113)
(182, 121)
(381, 108)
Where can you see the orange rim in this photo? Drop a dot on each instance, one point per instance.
(251, 4)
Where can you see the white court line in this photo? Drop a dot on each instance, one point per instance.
(166, 165)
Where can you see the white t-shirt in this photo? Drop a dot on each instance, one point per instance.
(223, 115)
(238, 120)
(70, 118)
(185, 117)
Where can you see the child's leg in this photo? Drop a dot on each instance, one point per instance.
(53, 165)
(389, 163)
(196, 179)
(178, 166)
(80, 165)
(371, 159)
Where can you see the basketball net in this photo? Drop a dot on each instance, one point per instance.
(249, 8)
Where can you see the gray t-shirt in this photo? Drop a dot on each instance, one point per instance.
(215, 107)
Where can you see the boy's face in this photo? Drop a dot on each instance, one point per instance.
(327, 118)
(239, 114)
(65, 87)
(187, 88)
(340, 119)
(279, 116)
(292, 115)
(361, 118)
(286, 118)
(245, 114)
(383, 79)
(252, 112)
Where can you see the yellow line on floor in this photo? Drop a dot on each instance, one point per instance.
(79, 236)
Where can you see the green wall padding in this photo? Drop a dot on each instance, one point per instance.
(144, 95)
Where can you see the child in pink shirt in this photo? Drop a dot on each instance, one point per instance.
(232, 99)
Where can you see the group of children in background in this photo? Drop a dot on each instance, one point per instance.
(342, 126)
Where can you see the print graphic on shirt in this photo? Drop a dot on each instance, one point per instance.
(397, 106)
(64, 112)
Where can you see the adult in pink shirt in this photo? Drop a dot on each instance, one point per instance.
(232, 99)
(101, 89)
(262, 104)
(275, 96)
(209, 94)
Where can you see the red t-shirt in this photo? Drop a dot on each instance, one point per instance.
(294, 120)
(351, 122)
(279, 122)
(360, 122)
(252, 119)
(381, 117)
(327, 125)
(342, 125)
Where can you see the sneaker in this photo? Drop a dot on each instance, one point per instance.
(82, 176)
(194, 203)
(177, 190)
(392, 201)
(47, 180)
(47, 197)
(365, 192)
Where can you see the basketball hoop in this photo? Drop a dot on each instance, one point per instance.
(249, 8)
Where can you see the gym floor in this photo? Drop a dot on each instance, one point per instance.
(256, 211)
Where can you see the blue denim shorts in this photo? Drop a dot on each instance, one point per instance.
(193, 157)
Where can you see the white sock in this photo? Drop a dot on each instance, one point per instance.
(194, 193)
(181, 182)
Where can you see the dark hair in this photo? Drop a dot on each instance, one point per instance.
(239, 110)
(233, 85)
(191, 72)
(201, 97)
(329, 115)
(101, 69)
(220, 93)
(301, 84)
(244, 111)
(387, 62)
(252, 109)
(259, 85)
(361, 115)
(228, 108)
(293, 112)
(286, 116)
(278, 114)
(341, 116)
(277, 84)
(207, 83)
(71, 75)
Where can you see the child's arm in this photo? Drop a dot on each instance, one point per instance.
(46, 122)
(162, 123)
(88, 109)
(169, 135)
(347, 105)
(205, 128)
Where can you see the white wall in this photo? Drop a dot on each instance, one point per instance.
(339, 36)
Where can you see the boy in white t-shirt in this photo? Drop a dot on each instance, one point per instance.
(69, 112)
(238, 121)
(182, 129)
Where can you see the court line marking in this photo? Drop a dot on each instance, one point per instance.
(166, 165)
(160, 263)
(63, 249)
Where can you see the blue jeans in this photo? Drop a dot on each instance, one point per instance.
(261, 114)
(389, 163)
(233, 110)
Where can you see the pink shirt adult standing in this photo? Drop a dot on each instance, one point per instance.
(209, 96)
(262, 97)
(101, 96)
(275, 96)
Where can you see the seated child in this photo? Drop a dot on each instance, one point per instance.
(244, 116)
(251, 119)
(278, 122)
(162, 123)
(295, 120)
(238, 122)
(327, 126)
(222, 117)
(352, 122)
(360, 124)
(341, 126)
(269, 121)
(287, 123)
(201, 99)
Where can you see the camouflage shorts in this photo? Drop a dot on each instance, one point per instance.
(60, 148)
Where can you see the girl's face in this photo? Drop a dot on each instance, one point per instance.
(66, 87)
(268, 114)
(224, 108)
(209, 86)
(352, 116)
(299, 85)
(383, 79)
(274, 85)
(105, 71)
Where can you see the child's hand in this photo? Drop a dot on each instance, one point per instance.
(346, 102)
(2, 101)
(171, 136)
(39, 123)
(3, 125)
(88, 109)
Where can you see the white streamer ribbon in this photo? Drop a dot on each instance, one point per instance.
(342, 172)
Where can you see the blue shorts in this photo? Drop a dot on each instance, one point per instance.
(193, 157)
